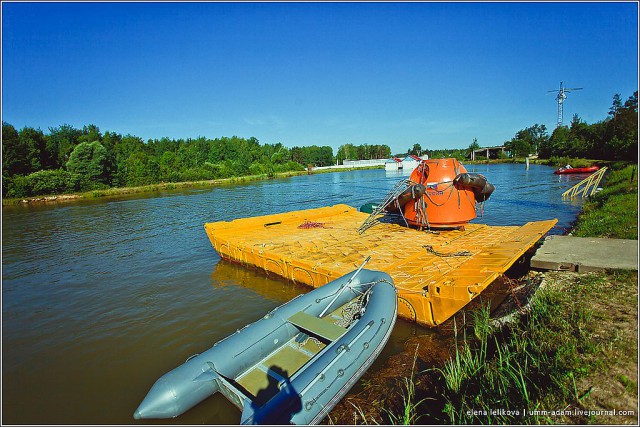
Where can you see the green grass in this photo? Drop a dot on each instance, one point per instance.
(120, 191)
(612, 212)
(407, 412)
(557, 356)
(534, 364)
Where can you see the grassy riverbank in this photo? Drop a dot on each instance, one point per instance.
(569, 357)
(123, 191)
(553, 161)
(612, 212)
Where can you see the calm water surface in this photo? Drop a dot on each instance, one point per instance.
(101, 298)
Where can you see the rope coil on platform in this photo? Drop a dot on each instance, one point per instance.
(442, 254)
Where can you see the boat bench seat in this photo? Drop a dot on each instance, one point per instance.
(320, 327)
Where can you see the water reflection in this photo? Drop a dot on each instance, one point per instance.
(271, 287)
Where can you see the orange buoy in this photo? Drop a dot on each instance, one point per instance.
(445, 203)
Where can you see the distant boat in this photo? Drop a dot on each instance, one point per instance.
(293, 365)
(563, 171)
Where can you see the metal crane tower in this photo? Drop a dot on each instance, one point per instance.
(562, 95)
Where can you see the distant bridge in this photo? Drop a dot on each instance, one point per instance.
(488, 151)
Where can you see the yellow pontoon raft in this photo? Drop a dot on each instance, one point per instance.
(436, 273)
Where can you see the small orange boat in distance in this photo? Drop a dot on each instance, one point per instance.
(446, 194)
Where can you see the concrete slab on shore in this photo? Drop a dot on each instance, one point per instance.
(584, 254)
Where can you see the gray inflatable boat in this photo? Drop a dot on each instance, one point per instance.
(293, 365)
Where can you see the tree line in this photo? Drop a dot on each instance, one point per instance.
(362, 152)
(613, 138)
(68, 159)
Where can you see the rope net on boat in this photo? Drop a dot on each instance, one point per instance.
(351, 312)
(390, 198)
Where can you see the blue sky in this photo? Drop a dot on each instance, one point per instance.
(437, 74)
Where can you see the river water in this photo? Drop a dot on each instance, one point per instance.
(102, 297)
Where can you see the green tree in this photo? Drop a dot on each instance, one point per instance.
(169, 166)
(527, 141)
(122, 150)
(346, 152)
(281, 155)
(473, 146)
(296, 155)
(380, 151)
(556, 145)
(416, 150)
(519, 145)
(141, 169)
(160, 146)
(34, 144)
(88, 162)
(49, 182)
(624, 126)
(616, 106)
(356, 152)
(90, 133)
(64, 138)
(14, 158)
(196, 152)
(316, 155)
(14, 154)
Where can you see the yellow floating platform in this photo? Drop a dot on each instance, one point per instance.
(436, 273)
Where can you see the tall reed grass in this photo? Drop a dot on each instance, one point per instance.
(504, 376)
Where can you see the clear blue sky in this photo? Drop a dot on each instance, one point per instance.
(437, 74)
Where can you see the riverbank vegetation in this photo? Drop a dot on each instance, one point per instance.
(565, 361)
(69, 160)
(613, 138)
(568, 355)
(612, 212)
(72, 160)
